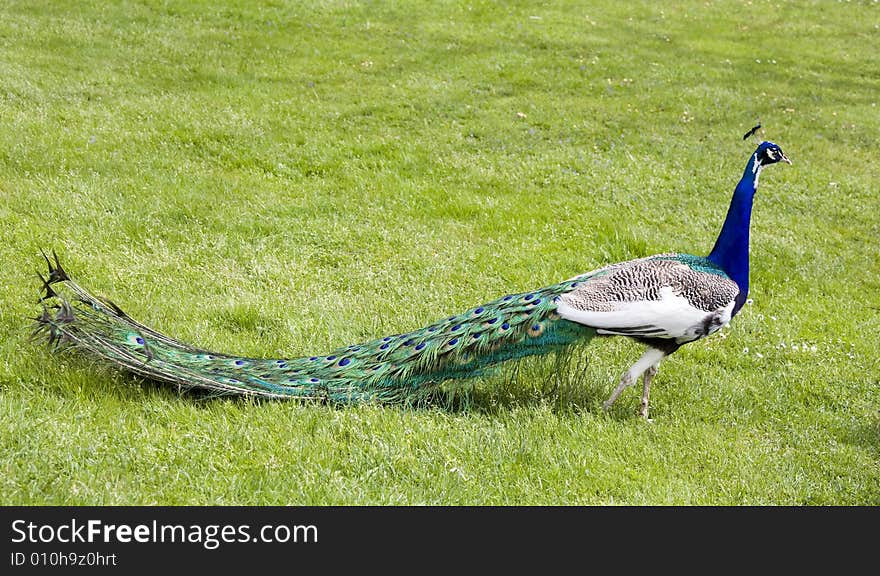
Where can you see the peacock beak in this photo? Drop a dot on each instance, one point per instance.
(785, 159)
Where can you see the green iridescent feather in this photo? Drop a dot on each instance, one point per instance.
(386, 369)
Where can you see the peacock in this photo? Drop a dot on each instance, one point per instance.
(663, 301)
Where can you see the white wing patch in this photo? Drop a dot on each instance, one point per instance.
(671, 316)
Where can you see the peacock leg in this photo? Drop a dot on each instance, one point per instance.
(650, 359)
(625, 382)
(646, 388)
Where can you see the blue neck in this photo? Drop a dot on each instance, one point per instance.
(731, 251)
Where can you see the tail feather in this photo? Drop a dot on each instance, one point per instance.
(386, 369)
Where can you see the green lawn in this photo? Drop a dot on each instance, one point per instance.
(283, 179)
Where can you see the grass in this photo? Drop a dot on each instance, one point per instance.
(284, 178)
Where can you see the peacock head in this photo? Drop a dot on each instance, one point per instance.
(770, 153)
